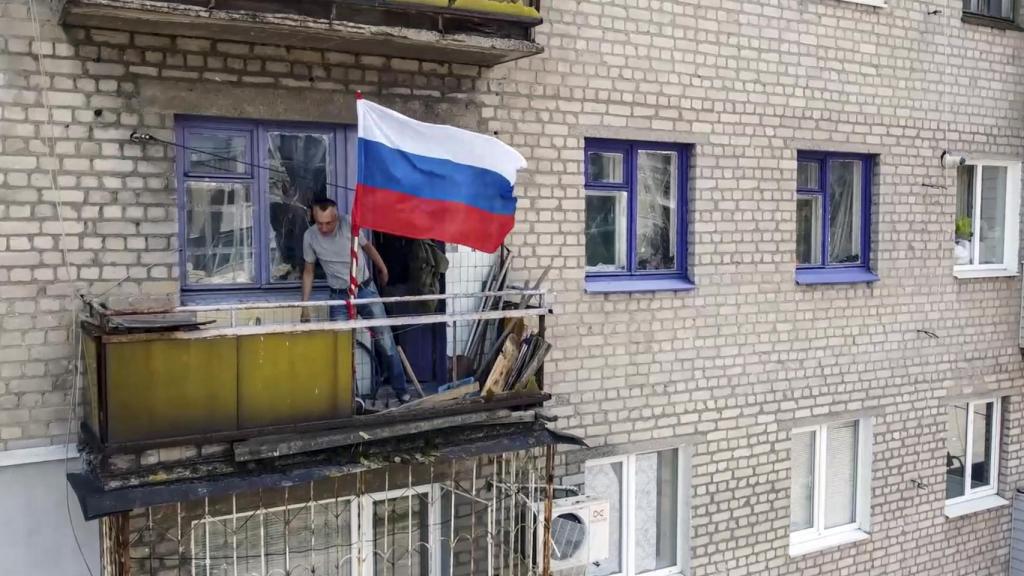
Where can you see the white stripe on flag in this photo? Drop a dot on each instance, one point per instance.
(437, 141)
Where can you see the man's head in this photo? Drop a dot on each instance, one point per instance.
(325, 215)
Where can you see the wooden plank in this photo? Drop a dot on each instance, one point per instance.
(409, 372)
(274, 446)
(496, 379)
(394, 415)
(535, 363)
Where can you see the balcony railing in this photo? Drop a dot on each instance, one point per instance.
(478, 32)
(235, 372)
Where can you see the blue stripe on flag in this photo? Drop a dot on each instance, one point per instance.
(434, 178)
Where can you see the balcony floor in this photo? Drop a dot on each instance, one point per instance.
(383, 29)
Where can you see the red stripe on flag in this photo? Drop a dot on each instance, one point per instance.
(414, 217)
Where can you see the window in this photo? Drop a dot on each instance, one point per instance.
(830, 475)
(245, 191)
(972, 450)
(1002, 9)
(648, 512)
(635, 230)
(833, 218)
(986, 228)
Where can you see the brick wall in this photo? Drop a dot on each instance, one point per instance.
(736, 361)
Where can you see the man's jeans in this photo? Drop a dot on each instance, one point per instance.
(383, 339)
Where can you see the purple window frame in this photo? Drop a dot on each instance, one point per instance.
(340, 179)
(631, 279)
(846, 273)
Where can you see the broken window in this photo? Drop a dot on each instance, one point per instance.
(634, 211)
(246, 192)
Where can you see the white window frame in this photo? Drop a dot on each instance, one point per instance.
(628, 511)
(817, 537)
(1011, 225)
(367, 552)
(997, 437)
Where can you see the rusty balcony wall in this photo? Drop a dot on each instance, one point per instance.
(476, 32)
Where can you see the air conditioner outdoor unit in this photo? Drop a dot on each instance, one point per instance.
(579, 532)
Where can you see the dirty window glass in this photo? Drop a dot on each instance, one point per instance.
(298, 175)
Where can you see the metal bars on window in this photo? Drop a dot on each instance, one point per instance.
(466, 518)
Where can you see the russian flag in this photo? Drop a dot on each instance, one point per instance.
(422, 180)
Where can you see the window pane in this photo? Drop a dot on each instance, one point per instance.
(993, 214)
(994, 8)
(605, 481)
(392, 522)
(801, 499)
(656, 518)
(844, 219)
(982, 425)
(656, 188)
(841, 475)
(606, 231)
(956, 449)
(604, 167)
(808, 229)
(963, 251)
(218, 153)
(218, 229)
(808, 175)
(300, 164)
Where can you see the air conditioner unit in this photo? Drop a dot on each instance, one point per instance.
(579, 532)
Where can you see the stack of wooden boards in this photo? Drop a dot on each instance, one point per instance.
(516, 366)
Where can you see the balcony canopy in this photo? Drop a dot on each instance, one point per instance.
(476, 32)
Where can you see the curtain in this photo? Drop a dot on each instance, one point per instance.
(844, 211)
(841, 475)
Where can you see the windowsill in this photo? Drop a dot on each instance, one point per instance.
(971, 272)
(826, 542)
(973, 505)
(991, 22)
(835, 276)
(634, 284)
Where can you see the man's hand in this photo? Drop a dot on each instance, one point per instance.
(382, 276)
(304, 315)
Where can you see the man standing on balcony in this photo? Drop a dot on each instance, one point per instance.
(329, 241)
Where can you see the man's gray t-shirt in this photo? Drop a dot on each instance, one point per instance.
(335, 254)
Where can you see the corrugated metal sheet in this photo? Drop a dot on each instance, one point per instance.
(1017, 536)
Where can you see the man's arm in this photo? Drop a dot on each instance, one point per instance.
(378, 263)
(307, 287)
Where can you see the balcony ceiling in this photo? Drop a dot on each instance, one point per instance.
(418, 29)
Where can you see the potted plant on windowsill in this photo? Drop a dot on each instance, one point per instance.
(964, 246)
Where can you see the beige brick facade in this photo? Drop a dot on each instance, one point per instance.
(732, 365)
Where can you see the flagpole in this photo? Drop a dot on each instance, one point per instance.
(353, 282)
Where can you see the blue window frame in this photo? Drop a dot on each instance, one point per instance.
(244, 193)
(833, 218)
(635, 222)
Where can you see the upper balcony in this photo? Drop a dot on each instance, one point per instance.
(477, 32)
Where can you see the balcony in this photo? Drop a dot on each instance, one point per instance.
(223, 397)
(476, 32)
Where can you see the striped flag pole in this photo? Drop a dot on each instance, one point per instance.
(353, 282)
